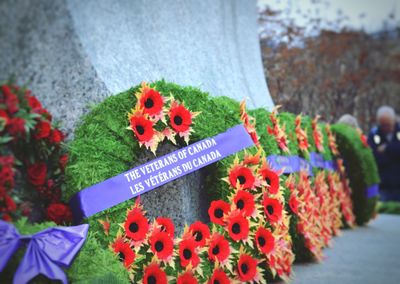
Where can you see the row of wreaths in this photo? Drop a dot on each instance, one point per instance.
(260, 220)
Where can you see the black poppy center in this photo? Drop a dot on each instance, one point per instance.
(198, 236)
(121, 256)
(140, 129)
(159, 246)
(270, 209)
(240, 204)
(261, 241)
(215, 250)
(133, 227)
(236, 228)
(178, 120)
(187, 254)
(151, 279)
(149, 103)
(218, 213)
(244, 268)
(216, 282)
(241, 179)
(268, 180)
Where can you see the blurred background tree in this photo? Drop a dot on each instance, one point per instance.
(330, 67)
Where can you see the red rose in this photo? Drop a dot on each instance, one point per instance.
(7, 177)
(59, 213)
(63, 161)
(4, 119)
(56, 136)
(37, 173)
(11, 100)
(16, 126)
(44, 113)
(7, 204)
(42, 130)
(6, 218)
(33, 102)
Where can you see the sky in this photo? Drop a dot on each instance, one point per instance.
(362, 14)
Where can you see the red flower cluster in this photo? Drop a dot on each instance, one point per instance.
(27, 134)
(278, 131)
(301, 134)
(151, 113)
(317, 134)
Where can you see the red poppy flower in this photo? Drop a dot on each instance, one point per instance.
(265, 240)
(238, 227)
(219, 277)
(124, 252)
(16, 126)
(180, 118)
(200, 233)
(187, 253)
(272, 209)
(56, 136)
(37, 173)
(136, 225)
(166, 225)
(364, 140)
(187, 278)
(42, 130)
(151, 101)
(294, 204)
(218, 248)
(154, 274)
(272, 180)
(247, 268)
(162, 245)
(242, 175)
(142, 127)
(244, 202)
(59, 213)
(33, 102)
(217, 210)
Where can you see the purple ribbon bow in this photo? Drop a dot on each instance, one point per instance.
(47, 252)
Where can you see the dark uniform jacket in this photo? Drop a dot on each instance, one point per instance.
(389, 160)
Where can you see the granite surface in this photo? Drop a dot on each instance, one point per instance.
(73, 54)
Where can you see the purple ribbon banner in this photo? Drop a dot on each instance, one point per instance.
(48, 252)
(157, 172)
(292, 164)
(372, 190)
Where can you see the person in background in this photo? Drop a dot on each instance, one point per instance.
(384, 140)
(349, 120)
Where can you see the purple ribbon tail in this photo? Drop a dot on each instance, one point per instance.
(9, 242)
(47, 252)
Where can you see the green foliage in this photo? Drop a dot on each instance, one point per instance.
(361, 170)
(389, 207)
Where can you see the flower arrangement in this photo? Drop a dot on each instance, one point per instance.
(246, 236)
(331, 140)
(317, 135)
(278, 131)
(156, 117)
(32, 159)
(301, 135)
